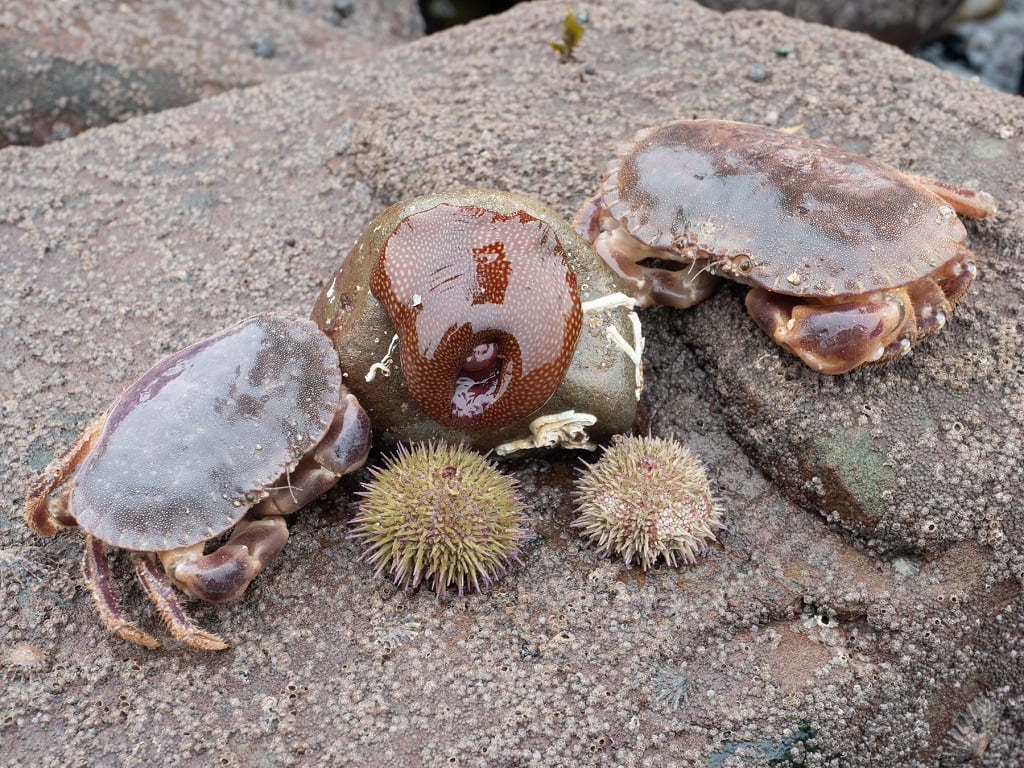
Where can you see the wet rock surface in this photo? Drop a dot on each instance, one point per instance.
(864, 606)
(74, 66)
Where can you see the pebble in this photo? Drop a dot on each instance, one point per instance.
(757, 72)
(264, 47)
(340, 10)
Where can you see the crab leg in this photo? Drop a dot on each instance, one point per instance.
(342, 450)
(96, 570)
(161, 592)
(225, 574)
(965, 201)
(957, 276)
(681, 288)
(38, 516)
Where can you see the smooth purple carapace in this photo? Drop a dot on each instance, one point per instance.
(237, 431)
(186, 449)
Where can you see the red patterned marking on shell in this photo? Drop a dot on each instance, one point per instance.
(486, 309)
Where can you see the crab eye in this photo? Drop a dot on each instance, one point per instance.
(745, 265)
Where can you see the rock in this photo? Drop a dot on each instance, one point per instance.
(987, 45)
(98, 62)
(832, 624)
(910, 457)
(902, 24)
(599, 389)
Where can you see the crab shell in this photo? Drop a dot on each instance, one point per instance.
(202, 436)
(789, 214)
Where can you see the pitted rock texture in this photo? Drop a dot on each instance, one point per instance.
(825, 629)
(913, 457)
(79, 65)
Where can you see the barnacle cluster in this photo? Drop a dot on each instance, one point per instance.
(23, 661)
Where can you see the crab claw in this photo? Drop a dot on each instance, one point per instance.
(223, 575)
(833, 338)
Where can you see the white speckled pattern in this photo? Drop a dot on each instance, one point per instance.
(454, 277)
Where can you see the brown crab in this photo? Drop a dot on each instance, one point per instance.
(851, 262)
(237, 430)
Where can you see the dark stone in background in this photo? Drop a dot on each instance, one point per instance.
(905, 24)
(67, 68)
(441, 14)
(990, 46)
(72, 66)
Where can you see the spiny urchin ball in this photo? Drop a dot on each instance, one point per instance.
(647, 497)
(440, 514)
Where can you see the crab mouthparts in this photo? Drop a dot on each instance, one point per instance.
(477, 383)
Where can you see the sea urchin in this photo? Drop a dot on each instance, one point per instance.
(647, 497)
(440, 514)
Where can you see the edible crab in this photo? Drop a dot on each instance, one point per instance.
(237, 430)
(851, 262)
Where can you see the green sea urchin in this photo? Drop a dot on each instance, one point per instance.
(440, 514)
(647, 498)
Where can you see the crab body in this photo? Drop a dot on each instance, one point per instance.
(235, 431)
(850, 261)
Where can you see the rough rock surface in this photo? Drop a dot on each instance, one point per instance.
(863, 636)
(904, 24)
(68, 66)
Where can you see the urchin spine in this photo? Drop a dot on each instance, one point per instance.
(647, 498)
(439, 514)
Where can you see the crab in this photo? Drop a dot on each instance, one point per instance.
(851, 262)
(237, 431)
